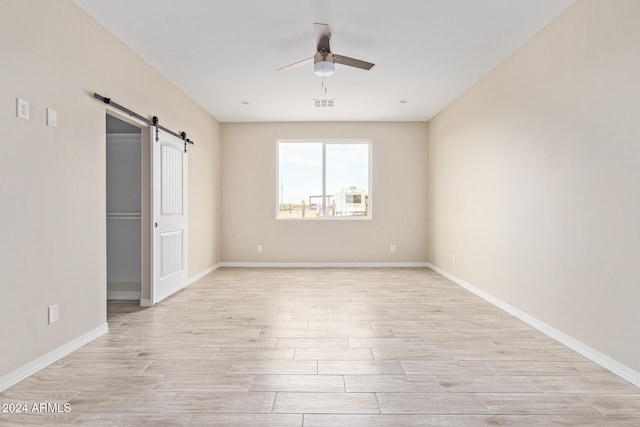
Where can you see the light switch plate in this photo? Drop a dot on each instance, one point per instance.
(22, 108)
(53, 313)
(52, 118)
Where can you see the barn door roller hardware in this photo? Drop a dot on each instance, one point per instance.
(153, 122)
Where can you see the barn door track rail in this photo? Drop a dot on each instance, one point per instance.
(153, 122)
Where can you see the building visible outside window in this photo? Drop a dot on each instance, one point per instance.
(324, 179)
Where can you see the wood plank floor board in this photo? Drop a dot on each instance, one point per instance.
(323, 347)
(351, 420)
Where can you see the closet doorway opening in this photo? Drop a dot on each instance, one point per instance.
(125, 197)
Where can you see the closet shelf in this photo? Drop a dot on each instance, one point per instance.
(124, 215)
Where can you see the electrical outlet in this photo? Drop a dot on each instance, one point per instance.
(53, 313)
(259, 248)
(22, 109)
(453, 258)
(393, 248)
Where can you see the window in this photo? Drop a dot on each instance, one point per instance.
(324, 180)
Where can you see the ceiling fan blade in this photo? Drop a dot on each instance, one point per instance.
(323, 36)
(296, 64)
(352, 62)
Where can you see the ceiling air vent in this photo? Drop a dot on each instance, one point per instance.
(324, 103)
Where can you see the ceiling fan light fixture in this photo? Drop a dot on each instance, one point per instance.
(324, 68)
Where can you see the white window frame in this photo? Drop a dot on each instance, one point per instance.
(324, 143)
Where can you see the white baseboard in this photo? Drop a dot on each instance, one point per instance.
(590, 353)
(123, 295)
(203, 273)
(146, 303)
(44, 361)
(325, 264)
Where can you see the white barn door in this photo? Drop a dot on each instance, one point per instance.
(169, 215)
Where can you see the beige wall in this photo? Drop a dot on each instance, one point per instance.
(52, 181)
(399, 159)
(533, 179)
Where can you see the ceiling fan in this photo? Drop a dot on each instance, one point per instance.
(324, 60)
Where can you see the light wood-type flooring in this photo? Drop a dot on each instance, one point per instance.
(324, 347)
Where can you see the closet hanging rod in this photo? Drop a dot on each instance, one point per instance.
(153, 122)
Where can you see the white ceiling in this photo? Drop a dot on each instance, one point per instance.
(224, 53)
